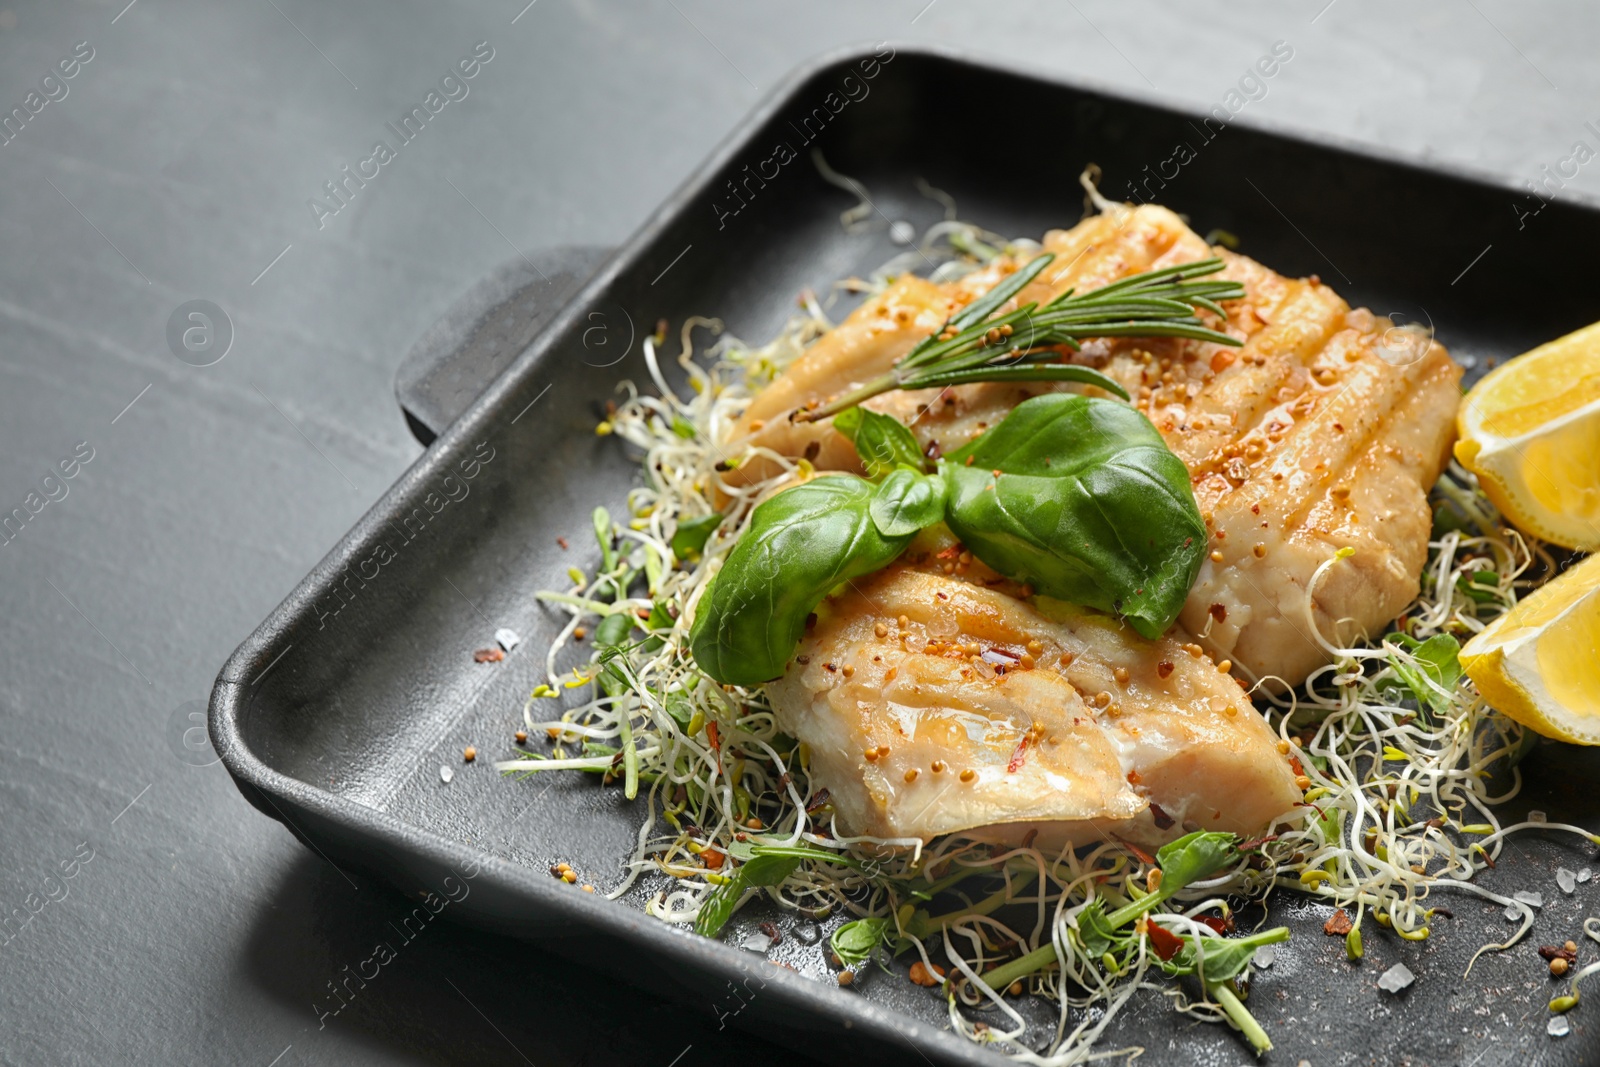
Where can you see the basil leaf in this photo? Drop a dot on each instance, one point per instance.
(692, 534)
(882, 441)
(1193, 857)
(906, 502)
(799, 545)
(1089, 506)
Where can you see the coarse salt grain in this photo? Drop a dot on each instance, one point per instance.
(1537, 816)
(445, 774)
(507, 639)
(1266, 955)
(1558, 1026)
(1514, 912)
(757, 943)
(1584, 875)
(1396, 978)
(1566, 880)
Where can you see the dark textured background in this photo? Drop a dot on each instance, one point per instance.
(181, 161)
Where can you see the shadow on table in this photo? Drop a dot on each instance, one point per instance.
(439, 992)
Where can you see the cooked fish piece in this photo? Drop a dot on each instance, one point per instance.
(1342, 461)
(1323, 432)
(933, 705)
(866, 344)
(887, 326)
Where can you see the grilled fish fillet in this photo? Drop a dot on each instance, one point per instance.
(1323, 432)
(973, 711)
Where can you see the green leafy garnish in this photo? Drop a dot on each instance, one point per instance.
(1190, 858)
(1081, 498)
(799, 545)
(979, 344)
(679, 706)
(692, 534)
(613, 629)
(1094, 930)
(616, 678)
(906, 502)
(1482, 586)
(602, 533)
(1225, 957)
(1215, 960)
(723, 901)
(1194, 857)
(660, 618)
(750, 850)
(883, 442)
(855, 942)
(1330, 824)
(608, 637)
(1436, 661)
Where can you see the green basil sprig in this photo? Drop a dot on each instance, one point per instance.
(883, 442)
(1081, 498)
(907, 502)
(799, 545)
(1077, 496)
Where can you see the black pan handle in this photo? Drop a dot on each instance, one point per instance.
(483, 331)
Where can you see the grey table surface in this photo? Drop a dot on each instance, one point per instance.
(177, 166)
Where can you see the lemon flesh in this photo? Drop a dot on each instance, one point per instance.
(1530, 431)
(1540, 662)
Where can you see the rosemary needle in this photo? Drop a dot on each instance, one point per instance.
(1024, 345)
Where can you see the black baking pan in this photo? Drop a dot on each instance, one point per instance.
(338, 715)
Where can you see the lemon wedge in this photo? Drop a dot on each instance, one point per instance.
(1540, 662)
(1530, 431)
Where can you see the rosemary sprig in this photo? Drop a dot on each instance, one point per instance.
(1024, 345)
